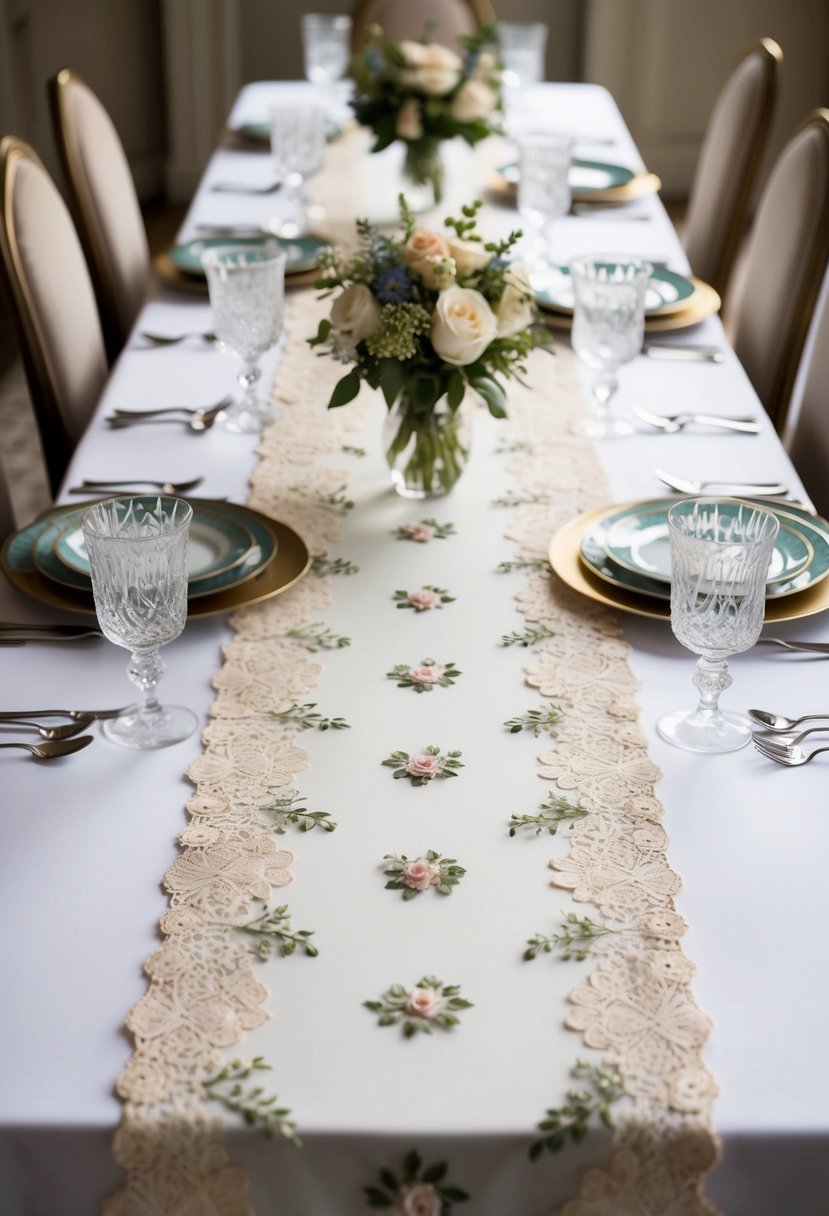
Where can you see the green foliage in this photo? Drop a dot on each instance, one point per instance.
(394, 1007)
(575, 941)
(401, 673)
(536, 720)
(316, 637)
(255, 1106)
(447, 765)
(287, 810)
(307, 718)
(323, 565)
(602, 1088)
(555, 810)
(530, 636)
(447, 873)
(273, 934)
(391, 1187)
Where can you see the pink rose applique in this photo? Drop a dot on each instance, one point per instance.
(420, 532)
(426, 673)
(424, 1003)
(424, 766)
(424, 599)
(420, 874)
(418, 1199)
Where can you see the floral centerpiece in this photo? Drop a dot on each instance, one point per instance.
(426, 316)
(423, 93)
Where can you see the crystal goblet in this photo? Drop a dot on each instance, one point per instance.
(543, 194)
(720, 554)
(298, 151)
(326, 43)
(247, 292)
(137, 550)
(608, 328)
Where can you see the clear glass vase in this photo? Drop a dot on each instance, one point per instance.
(423, 174)
(427, 452)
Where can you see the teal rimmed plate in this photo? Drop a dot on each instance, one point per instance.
(302, 252)
(667, 292)
(584, 177)
(260, 132)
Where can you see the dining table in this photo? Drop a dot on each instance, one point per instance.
(551, 701)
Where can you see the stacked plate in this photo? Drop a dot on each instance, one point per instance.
(620, 556)
(236, 556)
(259, 133)
(590, 181)
(672, 301)
(181, 265)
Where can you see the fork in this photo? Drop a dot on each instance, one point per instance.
(246, 188)
(53, 732)
(166, 487)
(789, 759)
(172, 339)
(671, 423)
(196, 419)
(804, 647)
(99, 715)
(756, 489)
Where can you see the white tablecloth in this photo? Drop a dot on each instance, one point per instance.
(86, 842)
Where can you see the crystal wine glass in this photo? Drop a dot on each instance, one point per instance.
(247, 293)
(326, 43)
(543, 194)
(137, 549)
(720, 554)
(298, 151)
(608, 327)
(522, 45)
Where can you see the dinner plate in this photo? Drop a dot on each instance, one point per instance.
(289, 563)
(260, 132)
(218, 540)
(667, 292)
(703, 303)
(637, 539)
(302, 251)
(564, 554)
(590, 181)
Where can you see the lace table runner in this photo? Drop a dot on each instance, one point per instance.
(636, 1008)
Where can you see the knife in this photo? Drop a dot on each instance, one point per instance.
(16, 635)
(690, 354)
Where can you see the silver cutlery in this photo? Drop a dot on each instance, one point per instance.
(52, 732)
(785, 745)
(97, 715)
(196, 419)
(172, 339)
(821, 648)
(234, 229)
(246, 187)
(17, 635)
(166, 487)
(756, 489)
(51, 751)
(613, 213)
(789, 759)
(779, 723)
(672, 423)
(688, 354)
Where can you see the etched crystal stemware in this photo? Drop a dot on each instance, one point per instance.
(326, 44)
(608, 328)
(543, 194)
(247, 292)
(720, 554)
(137, 550)
(298, 151)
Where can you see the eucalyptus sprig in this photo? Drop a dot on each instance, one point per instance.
(273, 934)
(530, 636)
(507, 447)
(429, 1003)
(465, 228)
(307, 718)
(337, 501)
(323, 564)
(255, 1106)
(522, 563)
(556, 810)
(513, 499)
(350, 450)
(424, 677)
(389, 1196)
(317, 636)
(575, 941)
(537, 721)
(603, 1088)
(414, 875)
(287, 810)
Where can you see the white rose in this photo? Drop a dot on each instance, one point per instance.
(355, 314)
(515, 310)
(472, 100)
(463, 325)
(468, 255)
(486, 68)
(431, 68)
(409, 122)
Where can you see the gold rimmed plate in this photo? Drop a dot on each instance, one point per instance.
(705, 302)
(590, 182)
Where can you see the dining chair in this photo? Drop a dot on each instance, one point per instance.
(728, 163)
(808, 439)
(102, 194)
(782, 267)
(53, 303)
(444, 19)
(7, 521)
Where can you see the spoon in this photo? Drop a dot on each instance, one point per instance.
(54, 732)
(246, 187)
(51, 751)
(172, 339)
(672, 423)
(779, 722)
(197, 420)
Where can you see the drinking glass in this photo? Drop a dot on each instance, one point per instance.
(720, 554)
(137, 549)
(608, 328)
(298, 151)
(247, 292)
(543, 194)
(522, 46)
(326, 42)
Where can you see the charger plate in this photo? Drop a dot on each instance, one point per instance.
(591, 181)
(171, 276)
(705, 302)
(258, 134)
(287, 566)
(667, 292)
(564, 554)
(302, 252)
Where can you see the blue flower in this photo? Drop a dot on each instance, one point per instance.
(392, 286)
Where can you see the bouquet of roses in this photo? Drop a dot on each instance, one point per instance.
(423, 93)
(423, 317)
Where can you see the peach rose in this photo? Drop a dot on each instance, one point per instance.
(420, 874)
(423, 600)
(474, 99)
(424, 250)
(420, 532)
(463, 325)
(424, 1002)
(426, 673)
(418, 1199)
(430, 68)
(515, 310)
(423, 766)
(409, 121)
(468, 255)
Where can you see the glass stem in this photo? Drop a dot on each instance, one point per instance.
(603, 388)
(248, 378)
(145, 668)
(712, 679)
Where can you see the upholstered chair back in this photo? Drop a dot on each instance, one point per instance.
(445, 19)
(808, 442)
(7, 523)
(728, 164)
(105, 204)
(785, 259)
(54, 307)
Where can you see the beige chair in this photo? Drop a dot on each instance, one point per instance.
(785, 257)
(408, 19)
(106, 207)
(7, 523)
(54, 308)
(728, 164)
(808, 442)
